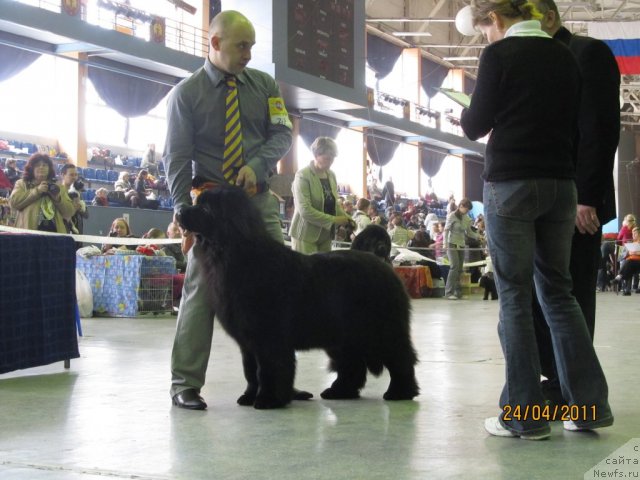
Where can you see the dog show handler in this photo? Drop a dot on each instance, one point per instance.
(226, 123)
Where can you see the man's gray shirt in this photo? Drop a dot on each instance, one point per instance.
(196, 121)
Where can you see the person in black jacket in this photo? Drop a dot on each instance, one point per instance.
(527, 97)
(599, 132)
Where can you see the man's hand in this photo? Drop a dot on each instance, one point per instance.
(587, 220)
(188, 238)
(247, 180)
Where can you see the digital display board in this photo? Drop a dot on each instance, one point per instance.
(320, 40)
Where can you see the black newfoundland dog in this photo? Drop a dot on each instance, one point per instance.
(374, 239)
(274, 301)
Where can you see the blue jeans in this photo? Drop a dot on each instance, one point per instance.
(529, 226)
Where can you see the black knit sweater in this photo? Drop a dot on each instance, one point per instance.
(527, 95)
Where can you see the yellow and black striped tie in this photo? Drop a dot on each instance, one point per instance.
(232, 158)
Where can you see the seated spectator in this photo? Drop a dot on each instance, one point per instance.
(608, 249)
(626, 232)
(420, 243)
(152, 249)
(123, 184)
(101, 199)
(119, 229)
(430, 220)
(629, 262)
(399, 234)
(11, 171)
(438, 239)
(5, 185)
(360, 216)
(374, 215)
(38, 201)
(143, 193)
(175, 250)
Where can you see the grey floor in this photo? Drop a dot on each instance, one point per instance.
(109, 415)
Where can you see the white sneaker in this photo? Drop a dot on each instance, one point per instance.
(453, 297)
(494, 427)
(571, 426)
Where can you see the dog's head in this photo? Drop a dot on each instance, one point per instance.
(374, 239)
(222, 214)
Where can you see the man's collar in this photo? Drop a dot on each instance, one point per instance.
(217, 76)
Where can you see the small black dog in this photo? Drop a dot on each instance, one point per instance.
(489, 284)
(274, 301)
(374, 239)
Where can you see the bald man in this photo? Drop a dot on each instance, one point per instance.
(193, 156)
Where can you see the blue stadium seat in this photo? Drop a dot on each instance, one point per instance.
(89, 195)
(80, 171)
(112, 175)
(20, 164)
(90, 173)
(101, 175)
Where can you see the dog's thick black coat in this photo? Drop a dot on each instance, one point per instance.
(274, 301)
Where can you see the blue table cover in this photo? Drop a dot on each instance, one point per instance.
(37, 301)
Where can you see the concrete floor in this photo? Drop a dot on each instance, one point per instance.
(110, 415)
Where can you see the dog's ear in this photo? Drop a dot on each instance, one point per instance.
(194, 219)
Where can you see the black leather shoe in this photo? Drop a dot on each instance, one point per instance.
(189, 399)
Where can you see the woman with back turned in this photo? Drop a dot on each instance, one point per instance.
(527, 97)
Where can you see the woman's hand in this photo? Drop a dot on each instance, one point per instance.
(43, 187)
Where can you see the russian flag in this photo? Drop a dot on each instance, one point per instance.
(623, 39)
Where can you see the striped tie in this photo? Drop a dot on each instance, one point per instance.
(232, 158)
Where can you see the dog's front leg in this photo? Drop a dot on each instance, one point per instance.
(276, 371)
(250, 367)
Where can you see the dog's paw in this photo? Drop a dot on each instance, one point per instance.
(394, 395)
(246, 399)
(335, 394)
(301, 395)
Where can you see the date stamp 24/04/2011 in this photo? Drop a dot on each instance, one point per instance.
(550, 413)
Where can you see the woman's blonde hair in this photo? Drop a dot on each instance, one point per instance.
(480, 10)
(630, 218)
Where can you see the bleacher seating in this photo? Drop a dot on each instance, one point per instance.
(112, 175)
(88, 195)
(90, 173)
(101, 175)
(20, 164)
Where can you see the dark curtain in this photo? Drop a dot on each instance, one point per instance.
(381, 55)
(431, 161)
(433, 74)
(473, 183)
(215, 7)
(381, 150)
(310, 130)
(469, 85)
(128, 95)
(13, 60)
